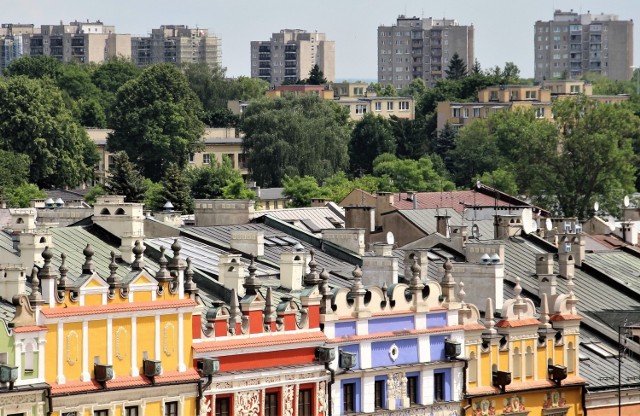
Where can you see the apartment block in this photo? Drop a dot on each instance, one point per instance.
(177, 44)
(359, 100)
(290, 55)
(81, 42)
(572, 45)
(421, 48)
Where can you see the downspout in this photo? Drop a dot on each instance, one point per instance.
(331, 381)
(201, 390)
(584, 400)
(49, 401)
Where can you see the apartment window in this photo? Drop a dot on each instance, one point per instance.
(378, 399)
(206, 158)
(223, 406)
(171, 409)
(412, 389)
(540, 112)
(191, 156)
(476, 112)
(361, 108)
(403, 105)
(378, 106)
(271, 404)
(305, 397)
(349, 397)
(103, 412)
(455, 112)
(575, 89)
(131, 411)
(493, 96)
(390, 106)
(531, 94)
(438, 387)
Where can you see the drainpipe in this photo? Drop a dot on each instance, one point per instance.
(464, 383)
(201, 390)
(331, 381)
(47, 394)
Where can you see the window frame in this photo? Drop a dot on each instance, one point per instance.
(438, 387)
(169, 408)
(229, 404)
(349, 397)
(413, 387)
(305, 407)
(271, 403)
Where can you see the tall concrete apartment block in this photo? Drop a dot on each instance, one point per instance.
(81, 42)
(177, 44)
(291, 54)
(421, 48)
(572, 44)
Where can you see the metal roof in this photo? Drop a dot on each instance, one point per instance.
(314, 219)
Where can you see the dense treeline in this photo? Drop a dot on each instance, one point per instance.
(306, 144)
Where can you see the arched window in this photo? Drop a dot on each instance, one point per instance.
(571, 358)
(528, 359)
(517, 363)
(105, 211)
(20, 221)
(473, 368)
(119, 211)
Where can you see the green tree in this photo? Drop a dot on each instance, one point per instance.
(443, 143)
(250, 88)
(475, 152)
(125, 179)
(110, 76)
(300, 190)
(410, 175)
(457, 69)
(21, 196)
(371, 137)
(415, 89)
(501, 179)
(175, 189)
(157, 120)
(93, 194)
(154, 197)
(14, 170)
(411, 137)
(237, 189)
(37, 67)
(35, 121)
(90, 113)
(316, 76)
(295, 135)
(208, 181)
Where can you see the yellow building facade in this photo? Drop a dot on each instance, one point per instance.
(522, 365)
(118, 346)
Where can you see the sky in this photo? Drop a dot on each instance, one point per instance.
(503, 28)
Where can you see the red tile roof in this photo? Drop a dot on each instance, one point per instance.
(259, 341)
(528, 385)
(567, 317)
(117, 307)
(168, 377)
(516, 324)
(455, 200)
(33, 328)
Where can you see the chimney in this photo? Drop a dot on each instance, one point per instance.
(382, 249)
(209, 212)
(352, 239)
(506, 226)
(248, 242)
(318, 202)
(630, 233)
(292, 265)
(23, 219)
(13, 280)
(361, 217)
(578, 248)
(31, 245)
(125, 220)
(459, 236)
(442, 224)
(544, 264)
(379, 270)
(566, 264)
(231, 272)
(422, 256)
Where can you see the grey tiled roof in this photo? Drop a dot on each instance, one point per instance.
(317, 218)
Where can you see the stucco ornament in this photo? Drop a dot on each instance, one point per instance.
(248, 403)
(287, 398)
(205, 406)
(322, 397)
(394, 352)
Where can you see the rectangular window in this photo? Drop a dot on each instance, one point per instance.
(403, 105)
(69, 413)
(438, 387)
(531, 94)
(191, 157)
(390, 106)
(361, 108)
(379, 388)
(476, 112)
(412, 389)
(131, 411)
(171, 409)
(206, 158)
(103, 412)
(378, 106)
(271, 404)
(349, 397)
(305, 397)
(223, 406)
(540, 112)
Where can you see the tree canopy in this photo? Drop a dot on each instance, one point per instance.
(156, 120)
(209, 181)
(124, 179)
(371, 137)
(316, 76)
(34, 121)
(295, 135)
(456, 69)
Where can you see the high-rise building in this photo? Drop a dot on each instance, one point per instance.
(80, 42)
(572, 45)
(291, 54)
(421, 48)
(176, 44)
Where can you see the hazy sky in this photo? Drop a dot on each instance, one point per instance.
(503, 28)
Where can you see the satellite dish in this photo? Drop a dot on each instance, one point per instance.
(475, 231)
(626, 201)
(611, 224)
(596, 206)
(547, 224)
(478, 184)
(390, 238)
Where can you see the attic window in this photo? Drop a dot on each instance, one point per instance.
(105, 211)
(601, 349)
(120, 211)
(20, 221)
(43, 240)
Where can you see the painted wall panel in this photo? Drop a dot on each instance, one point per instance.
(406, 352)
